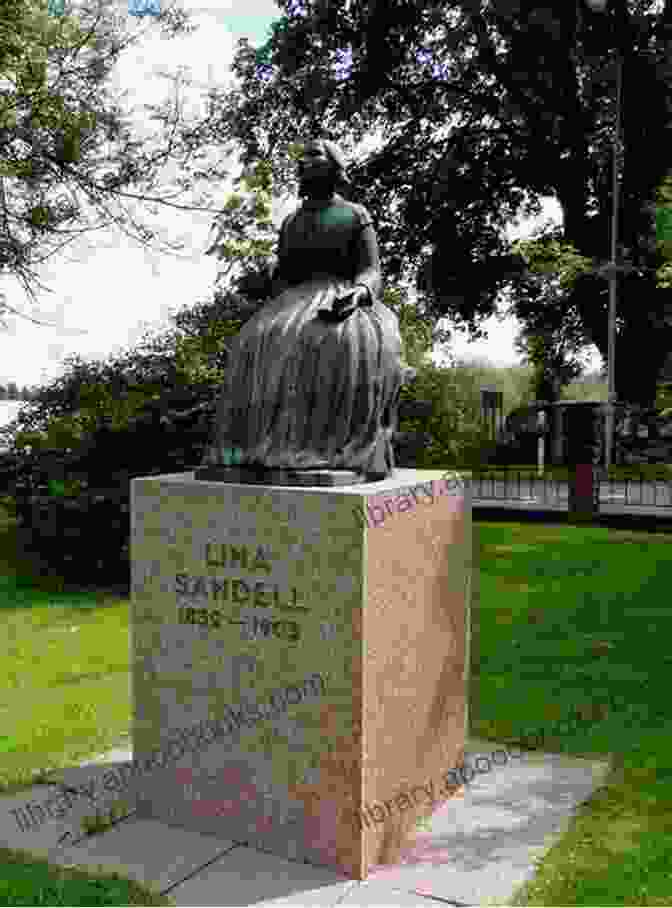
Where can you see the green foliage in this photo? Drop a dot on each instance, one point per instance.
(63, 432)
(66, 498)
(418, 332)
(68, 158)
(192, 355)
(121, 418)
(459, 437)
(143, 411)
(553, 338)
(586, 389)
(664, 231)
(102, 820)
(188, 357)
(244, 234)
(664, 396)
(548, 254)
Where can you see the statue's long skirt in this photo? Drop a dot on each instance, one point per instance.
(300, 392)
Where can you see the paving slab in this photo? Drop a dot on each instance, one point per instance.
(147, 851)
(30, 818)
(246, 876)
(483, 847)
(13, 835)
(371, 896)
(478, 848)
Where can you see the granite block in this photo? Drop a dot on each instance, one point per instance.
(321, 634)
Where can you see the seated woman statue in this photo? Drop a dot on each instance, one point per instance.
(313, 378)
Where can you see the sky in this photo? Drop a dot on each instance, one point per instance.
(106, 296)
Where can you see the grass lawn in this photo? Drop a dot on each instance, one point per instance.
(568, 620)
(64, 696)
(65, 691)
(574, 620)
(25, 881)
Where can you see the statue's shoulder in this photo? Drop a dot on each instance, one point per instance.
(342, 213)
(352, 213)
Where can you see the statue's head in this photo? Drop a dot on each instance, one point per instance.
(322, 164)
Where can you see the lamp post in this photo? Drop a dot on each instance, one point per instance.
(612, 270)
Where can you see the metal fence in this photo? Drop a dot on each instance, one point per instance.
(517, 485)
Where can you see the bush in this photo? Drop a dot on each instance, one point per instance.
(146, 411)
(65, 499)
(458, 437)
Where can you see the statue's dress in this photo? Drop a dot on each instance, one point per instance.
(303, 393)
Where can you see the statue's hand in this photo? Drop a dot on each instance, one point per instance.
(345, 305)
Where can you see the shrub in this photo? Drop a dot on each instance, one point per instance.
(65, 499)
(92, 430)
(458, 437)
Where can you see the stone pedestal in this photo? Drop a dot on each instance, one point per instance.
(300, 660)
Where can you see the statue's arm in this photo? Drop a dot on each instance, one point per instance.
(367, 260)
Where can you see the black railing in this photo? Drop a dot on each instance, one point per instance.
(526, 486)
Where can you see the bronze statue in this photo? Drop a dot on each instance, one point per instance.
(312, 386)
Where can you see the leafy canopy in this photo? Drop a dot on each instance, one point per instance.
(483, 109)
(71, 161)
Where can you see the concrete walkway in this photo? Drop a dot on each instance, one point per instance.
(478, 848)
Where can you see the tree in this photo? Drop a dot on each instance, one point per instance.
(69, 161)
(418, 332)
(552, 339)
(483, 109)
(183, 359)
